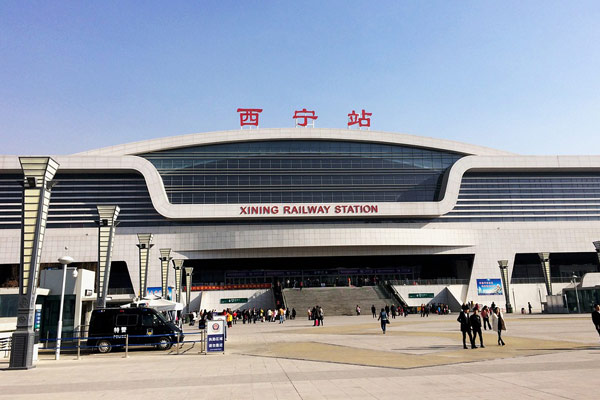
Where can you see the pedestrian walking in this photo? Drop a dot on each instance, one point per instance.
(373, 311)
(465, 326)
(485, 316)
(498, 325)
(529, 306)
(596, 317)
(383, 318)
(357, 309)
(475, 321)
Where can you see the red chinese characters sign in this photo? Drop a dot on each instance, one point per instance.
(362, 120)
(249, 116)
(303, 116)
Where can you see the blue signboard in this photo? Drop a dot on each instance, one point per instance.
(489, 287)
(157, 291)
(215, 336)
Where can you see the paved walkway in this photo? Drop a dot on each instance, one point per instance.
(545, 357)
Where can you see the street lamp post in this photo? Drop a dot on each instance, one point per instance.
(188, 286)
(144, 247)
(37, 184)
(64, 260)
(106, 233)
(503, 264)
(574, 280)
(177, 264)
(165, 259)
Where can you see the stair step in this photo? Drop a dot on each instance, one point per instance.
(336, 300)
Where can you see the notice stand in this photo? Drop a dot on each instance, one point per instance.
(215, 336)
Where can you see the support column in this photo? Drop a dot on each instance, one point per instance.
(38, 174)
(188, 286)
(164, 269)
(545, 260)
(177, 264)
(503, 264)
(106, 233)
(144, 247)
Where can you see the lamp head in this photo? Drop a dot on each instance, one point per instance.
(503, 264)
(65, 260)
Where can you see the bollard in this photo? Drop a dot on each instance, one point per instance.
(201, 343)
(78, 347)
(177, 343)
(127, 346)
(47, 337)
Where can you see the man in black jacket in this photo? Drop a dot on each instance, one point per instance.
(465, 326)
(596, 317)
(475, 321)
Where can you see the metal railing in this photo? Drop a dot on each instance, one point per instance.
(435, 281)
(120, 291)
(554, 279)
(124, 342)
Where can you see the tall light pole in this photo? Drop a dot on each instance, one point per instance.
(503, 264)
(188, 286)
(38, 174)
(545, 260)
(574, 280)
(177, 264)
(106, 234)
(164, 269)
(144, 246)
(64, 260)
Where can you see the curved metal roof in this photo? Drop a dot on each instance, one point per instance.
(198, 139)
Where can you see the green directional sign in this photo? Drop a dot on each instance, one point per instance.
(234, 300)
(420, 295)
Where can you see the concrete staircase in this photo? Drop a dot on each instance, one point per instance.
(336, 300)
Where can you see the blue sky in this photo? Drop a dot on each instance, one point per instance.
(518, 76)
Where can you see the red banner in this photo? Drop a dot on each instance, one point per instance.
(231, 287)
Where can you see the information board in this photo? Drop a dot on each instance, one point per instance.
(420, 295)
(215, 336)
(234, 300)
(489, 287)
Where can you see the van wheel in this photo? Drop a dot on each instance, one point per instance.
(164, 344)
(103, 346)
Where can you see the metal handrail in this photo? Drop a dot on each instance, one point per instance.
(435, 281)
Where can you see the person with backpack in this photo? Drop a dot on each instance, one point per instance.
(383, 318)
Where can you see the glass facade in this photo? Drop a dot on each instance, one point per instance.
(526, 196)
(528, 268)
(297, 171)
(75, 196)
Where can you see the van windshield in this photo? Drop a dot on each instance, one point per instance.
(151, 318)
(161, 317)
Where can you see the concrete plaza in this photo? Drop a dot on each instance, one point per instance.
(546, 356)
